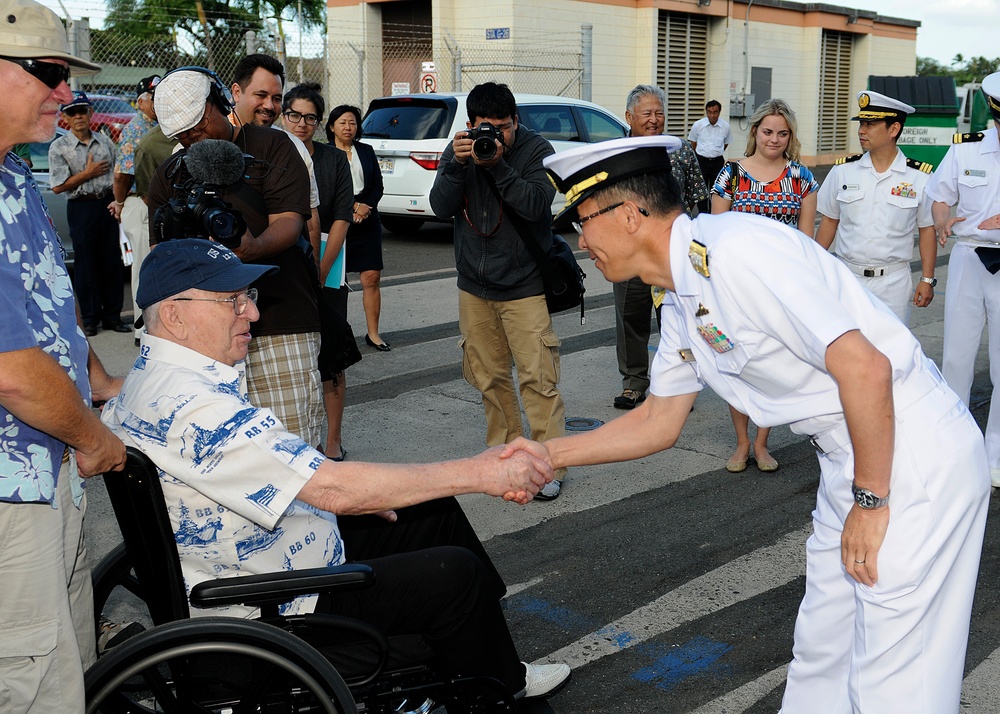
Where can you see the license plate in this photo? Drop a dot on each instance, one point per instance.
(387, 166)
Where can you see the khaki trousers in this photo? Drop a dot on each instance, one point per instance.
(499, 334)
(46, 605)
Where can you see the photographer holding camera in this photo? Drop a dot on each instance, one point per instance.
(488, 173)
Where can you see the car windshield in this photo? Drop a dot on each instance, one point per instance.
(112, 105)
(409, 119)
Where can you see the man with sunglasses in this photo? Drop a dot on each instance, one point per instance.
(48, 376)
(80, 164)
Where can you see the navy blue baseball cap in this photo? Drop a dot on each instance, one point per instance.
(177, 265)
(80, 99)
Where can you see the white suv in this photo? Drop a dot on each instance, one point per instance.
(410, 132)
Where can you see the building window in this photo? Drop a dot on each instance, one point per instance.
(834, 91)
(682, 68)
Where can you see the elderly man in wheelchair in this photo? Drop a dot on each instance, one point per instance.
(246, 497)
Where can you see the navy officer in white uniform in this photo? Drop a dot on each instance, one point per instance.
(874, 202)
(969, 178)
(784, 332)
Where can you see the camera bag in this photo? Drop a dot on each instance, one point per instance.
(561, 273)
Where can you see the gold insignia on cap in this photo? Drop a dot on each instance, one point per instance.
(579, 188)
(698, 253)
(864, 100)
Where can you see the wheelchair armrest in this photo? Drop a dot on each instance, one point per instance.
(280, 587)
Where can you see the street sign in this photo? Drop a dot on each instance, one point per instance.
(399, 88)
(498, 33)
(428, 82)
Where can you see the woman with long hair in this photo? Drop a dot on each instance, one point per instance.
(769, 182)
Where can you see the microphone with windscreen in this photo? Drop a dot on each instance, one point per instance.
(198, 209)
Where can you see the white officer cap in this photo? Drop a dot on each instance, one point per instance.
(991, 90)
(875, 106)
(580, 172)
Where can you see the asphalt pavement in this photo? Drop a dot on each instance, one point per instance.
(669, 584)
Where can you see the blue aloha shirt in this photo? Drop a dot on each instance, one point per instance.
(128, 141)
(39, 310)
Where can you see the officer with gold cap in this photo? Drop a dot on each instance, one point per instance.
(969, 179)
(874, 202)
(784, 332)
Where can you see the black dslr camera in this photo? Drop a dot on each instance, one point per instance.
(484, 139)
(199, 212)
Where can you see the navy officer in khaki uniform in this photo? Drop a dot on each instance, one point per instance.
(784, 332)
(969, 178)
(874, 202)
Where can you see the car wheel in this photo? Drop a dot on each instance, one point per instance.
(400, 224)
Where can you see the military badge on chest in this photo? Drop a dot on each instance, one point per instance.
(904, 190)
(715, 338)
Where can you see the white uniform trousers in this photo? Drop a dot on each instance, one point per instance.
(47, 633)
(972, 299)
(135, 223)
(895, 290)
(898, 646)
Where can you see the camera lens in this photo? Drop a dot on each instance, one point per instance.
(485, 148)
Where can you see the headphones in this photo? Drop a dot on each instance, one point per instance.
(217, 90)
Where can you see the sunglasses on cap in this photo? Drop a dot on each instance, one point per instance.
(48, 73)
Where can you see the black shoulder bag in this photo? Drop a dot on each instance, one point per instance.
(561, 274)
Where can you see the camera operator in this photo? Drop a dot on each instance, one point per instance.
(193, 105)
(501, 306)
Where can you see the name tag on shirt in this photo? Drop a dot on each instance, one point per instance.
(978, 173)
(686, 355)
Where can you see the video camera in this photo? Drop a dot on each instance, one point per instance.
(197, 209)
(484, 139)
(199, 213)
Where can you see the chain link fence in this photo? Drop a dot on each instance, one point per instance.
(349, 70)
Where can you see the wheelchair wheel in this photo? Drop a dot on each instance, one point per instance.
(215, 664)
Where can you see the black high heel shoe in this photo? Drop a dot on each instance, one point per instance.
(383, 347)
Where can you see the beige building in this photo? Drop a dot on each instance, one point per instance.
(814, 55)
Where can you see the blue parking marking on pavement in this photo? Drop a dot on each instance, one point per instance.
(561, 616)
(672, 665)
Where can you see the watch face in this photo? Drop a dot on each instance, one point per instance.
(865, 499)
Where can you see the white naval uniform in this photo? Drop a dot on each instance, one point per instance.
(757, 330)
(969, 175)
(878, 214)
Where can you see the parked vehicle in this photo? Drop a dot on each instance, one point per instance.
(410, 132)
(111, 114)
(56, 202)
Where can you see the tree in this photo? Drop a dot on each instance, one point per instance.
(963, 70)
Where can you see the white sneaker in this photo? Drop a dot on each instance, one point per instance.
(542, 679)
(995, 477)
(550, 491)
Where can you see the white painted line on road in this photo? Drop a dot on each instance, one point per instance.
(981, 688)
(742, 698)
(521, 587)
(741, 579)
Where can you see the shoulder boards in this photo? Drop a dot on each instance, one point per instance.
(967, 138)
(920, 165)
(848, 159)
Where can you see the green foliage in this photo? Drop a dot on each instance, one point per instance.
(963, 70)
(171, 33)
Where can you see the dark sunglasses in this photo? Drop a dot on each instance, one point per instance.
(73, 111)
(48, 73)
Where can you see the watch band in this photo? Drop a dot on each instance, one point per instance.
(930, 281)
(867, 499)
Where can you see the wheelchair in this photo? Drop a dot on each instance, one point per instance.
(278, 664)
